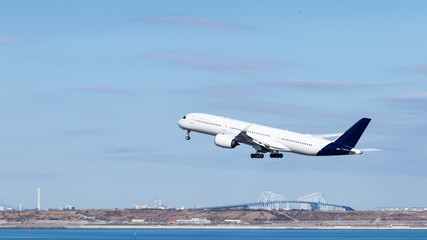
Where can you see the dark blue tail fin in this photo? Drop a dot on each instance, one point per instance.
(352, 135)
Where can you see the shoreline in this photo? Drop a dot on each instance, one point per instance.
(214, 219)
(212, 227)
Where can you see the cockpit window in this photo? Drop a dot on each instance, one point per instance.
(184, 117)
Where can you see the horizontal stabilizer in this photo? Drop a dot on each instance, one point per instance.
(353, 134)
(370, 149)
(326, 135)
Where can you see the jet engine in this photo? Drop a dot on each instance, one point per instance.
(225, 141)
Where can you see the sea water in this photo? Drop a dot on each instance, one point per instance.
(192, 234)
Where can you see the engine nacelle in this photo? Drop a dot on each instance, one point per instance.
(225, 141)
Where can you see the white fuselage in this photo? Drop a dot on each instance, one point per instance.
(276, 139)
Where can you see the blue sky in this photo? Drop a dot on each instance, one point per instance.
(91, 92)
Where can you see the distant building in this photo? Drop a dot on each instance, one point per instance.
(304, 206)
(140, 206)
(233, 221)
(194, 221)
(1, 208)
(136, 221)
(70, 207)
(400, 209)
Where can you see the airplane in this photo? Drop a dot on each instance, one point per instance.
(230, 133)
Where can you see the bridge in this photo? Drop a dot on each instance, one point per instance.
(273, 201)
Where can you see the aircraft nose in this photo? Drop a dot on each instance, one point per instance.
(180, 123)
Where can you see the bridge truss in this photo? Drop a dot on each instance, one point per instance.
(272, 201)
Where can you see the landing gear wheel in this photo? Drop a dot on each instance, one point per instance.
(276, 155)
(188, 135)
(257, 155)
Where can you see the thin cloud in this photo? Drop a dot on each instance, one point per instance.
(127, 152)
(196, 61)
(127, 149)
(314, 84)
(46, 57)
(229, 90)
(264, 107)
(410, 102)
(9, 39)
(203, 23)
(419, 69)
(422, 96)
(328, 85)
(86, 132)
(104, 90)
(300, 116)
(242, 90)
(24, 176)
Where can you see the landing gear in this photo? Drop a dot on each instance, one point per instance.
(276, 155)
(257, 155)
(188, 135)
(261, 155)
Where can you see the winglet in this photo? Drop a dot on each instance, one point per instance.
(246, 128)
(242, 136)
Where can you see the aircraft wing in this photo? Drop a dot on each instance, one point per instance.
(326, 135)
(262, 144)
